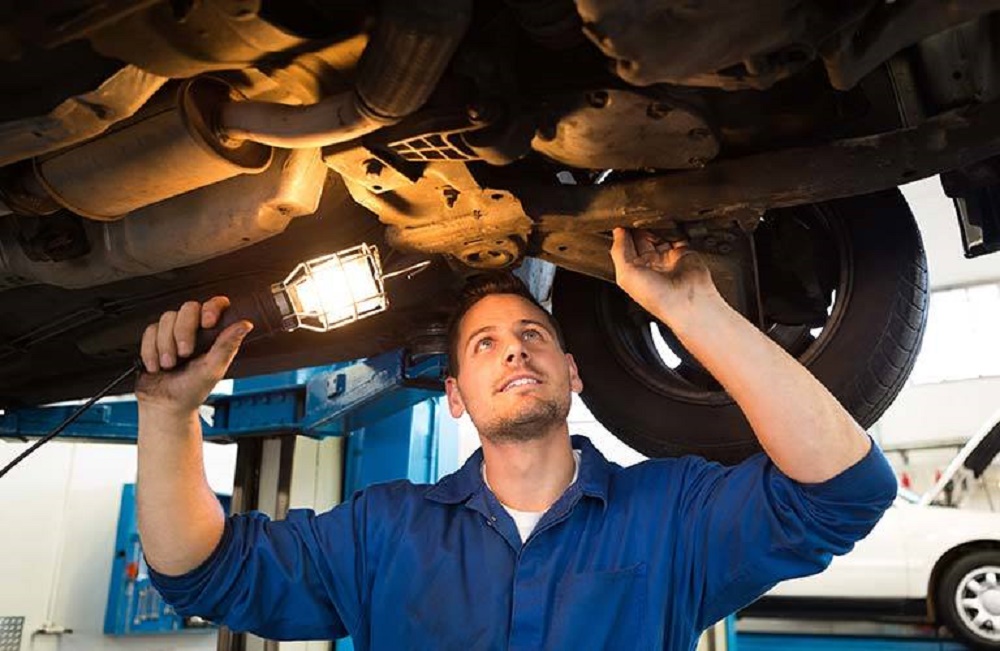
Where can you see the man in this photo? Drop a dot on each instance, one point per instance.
(538, 542)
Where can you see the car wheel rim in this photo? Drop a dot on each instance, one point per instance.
(650, 352)
(977, 601)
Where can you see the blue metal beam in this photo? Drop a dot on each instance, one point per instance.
(361, 394)
(317, 402)
(797, 642)
(105, 421)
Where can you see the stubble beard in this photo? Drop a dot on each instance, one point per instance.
(529, 425)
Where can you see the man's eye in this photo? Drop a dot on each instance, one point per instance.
(483, 344)
(532, 335)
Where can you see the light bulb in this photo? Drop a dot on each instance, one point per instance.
(333, 290)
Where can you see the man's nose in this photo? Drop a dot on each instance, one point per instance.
(515, 352)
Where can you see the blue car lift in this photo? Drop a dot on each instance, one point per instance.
(893, 637)
(304, 438)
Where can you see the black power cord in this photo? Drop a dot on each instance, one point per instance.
(258, 307)
(135, 368)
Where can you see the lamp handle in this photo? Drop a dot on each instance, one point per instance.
(259, 308)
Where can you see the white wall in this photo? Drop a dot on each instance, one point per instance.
(935, 412)
(935, 215)
(60, 514)
(947, 410)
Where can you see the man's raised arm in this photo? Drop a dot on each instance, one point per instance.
(180, 519)
(801, 426)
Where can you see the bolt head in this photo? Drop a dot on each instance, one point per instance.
(598, 98)
(546, 132)
(476, 112)
(658, 110)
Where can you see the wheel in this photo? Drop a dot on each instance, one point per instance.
(968, 599)
(844, 289)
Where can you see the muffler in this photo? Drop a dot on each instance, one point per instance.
(162, 155)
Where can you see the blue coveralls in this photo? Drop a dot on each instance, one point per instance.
(644, 557)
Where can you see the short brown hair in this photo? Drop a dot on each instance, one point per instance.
(476, 289)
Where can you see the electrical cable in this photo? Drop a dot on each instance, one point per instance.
(136, 367)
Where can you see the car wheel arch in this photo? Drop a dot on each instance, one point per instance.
(945, 561)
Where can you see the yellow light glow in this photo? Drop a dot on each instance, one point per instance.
(337, 289)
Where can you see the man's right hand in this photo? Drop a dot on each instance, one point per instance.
(172, 339)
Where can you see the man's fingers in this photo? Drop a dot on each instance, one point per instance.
(166, 350)
(212, 310)
(148, 349)
(617, 247)
(678, 254)
(226, 345)
(644, 243)
(623, 249)
(175, 334)
(642, 248)
(186, 327)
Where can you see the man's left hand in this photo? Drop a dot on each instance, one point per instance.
(661, 276)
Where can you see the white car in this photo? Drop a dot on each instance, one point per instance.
(922, 561)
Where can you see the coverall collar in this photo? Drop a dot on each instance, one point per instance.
(460, 486)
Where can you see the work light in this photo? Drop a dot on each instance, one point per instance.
(333, 290)
(321, 294)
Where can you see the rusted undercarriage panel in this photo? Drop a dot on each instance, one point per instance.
(447, 210)
(734, 45)
(782, 178)
(79, 118)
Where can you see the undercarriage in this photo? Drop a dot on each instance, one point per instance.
(155, 151)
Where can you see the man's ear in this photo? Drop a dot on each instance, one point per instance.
(575, 383)
(455, 404)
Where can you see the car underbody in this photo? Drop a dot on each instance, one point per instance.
(157, 151)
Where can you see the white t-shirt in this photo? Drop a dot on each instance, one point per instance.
(526, 521)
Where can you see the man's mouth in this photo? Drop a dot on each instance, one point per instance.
(519, 381)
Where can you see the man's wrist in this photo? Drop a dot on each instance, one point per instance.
(693, 310)
(166, 411)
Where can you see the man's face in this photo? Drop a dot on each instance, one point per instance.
(514, 380)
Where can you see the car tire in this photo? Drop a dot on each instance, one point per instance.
(958, 603)
(863, 354)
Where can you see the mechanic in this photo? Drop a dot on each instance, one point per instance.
(537, 542)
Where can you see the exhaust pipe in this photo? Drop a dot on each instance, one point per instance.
(399, 69)
(337, 119)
